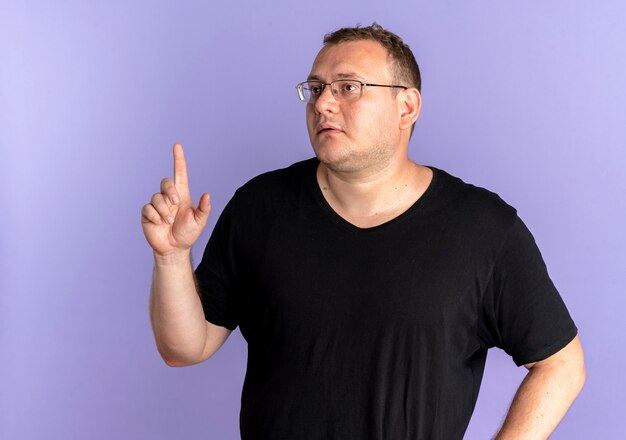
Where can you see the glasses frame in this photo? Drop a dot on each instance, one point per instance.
(300, 88)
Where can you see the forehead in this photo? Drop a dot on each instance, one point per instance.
(363, 59)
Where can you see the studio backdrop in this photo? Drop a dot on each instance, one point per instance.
(526, 99)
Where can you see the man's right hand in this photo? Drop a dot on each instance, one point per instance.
(171, 222)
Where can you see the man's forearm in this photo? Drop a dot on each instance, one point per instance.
(176, 311)
(545, 395)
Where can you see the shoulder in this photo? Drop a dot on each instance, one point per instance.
(472, 204)
(277, 179)
(275, 187)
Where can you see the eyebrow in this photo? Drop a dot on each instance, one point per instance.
(345, 75)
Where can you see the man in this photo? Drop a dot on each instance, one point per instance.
(368, 287)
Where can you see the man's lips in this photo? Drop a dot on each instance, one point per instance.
(328, 129)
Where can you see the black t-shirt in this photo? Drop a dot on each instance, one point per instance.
(374, 333)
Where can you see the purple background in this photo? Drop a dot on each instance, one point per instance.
(525, 99)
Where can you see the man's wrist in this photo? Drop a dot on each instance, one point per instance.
(175, 258)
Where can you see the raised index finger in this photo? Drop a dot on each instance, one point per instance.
(180, 171)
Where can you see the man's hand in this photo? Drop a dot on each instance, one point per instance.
(171, 222)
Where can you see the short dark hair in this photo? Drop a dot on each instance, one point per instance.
(404, 67)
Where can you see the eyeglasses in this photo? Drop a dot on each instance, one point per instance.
(342, 89)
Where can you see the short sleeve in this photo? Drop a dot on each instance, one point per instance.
(523, 313)
(216, 274)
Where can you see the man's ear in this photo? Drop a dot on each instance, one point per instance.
(410, 105)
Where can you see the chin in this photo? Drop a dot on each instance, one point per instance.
(338, 163)
(345, 159)
(332, 156)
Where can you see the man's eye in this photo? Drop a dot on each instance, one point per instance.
(350, 88)
(315, 88)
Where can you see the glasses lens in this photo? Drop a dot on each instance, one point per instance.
(343, 90)
(346, 90)
(310, 90)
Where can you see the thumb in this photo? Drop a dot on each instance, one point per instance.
(204, 208)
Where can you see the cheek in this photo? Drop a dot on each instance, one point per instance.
(366, 119)
(380, 117)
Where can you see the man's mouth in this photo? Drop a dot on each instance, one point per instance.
(326, 128)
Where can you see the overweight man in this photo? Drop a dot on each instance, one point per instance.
(368, 287)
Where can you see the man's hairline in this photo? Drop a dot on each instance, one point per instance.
(392, 63)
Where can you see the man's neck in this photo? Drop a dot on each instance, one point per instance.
(371, 199)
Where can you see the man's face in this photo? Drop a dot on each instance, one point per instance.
(358, 135)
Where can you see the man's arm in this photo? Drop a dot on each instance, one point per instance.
(183, 336)
(545, 395)
(172, 223)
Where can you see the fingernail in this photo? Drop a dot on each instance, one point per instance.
(174, 199)
(170, 220)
